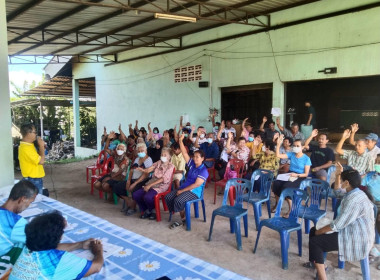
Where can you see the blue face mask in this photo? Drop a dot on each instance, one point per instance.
(141, 155)
(209, 140)
(216, 127)
(250, 139)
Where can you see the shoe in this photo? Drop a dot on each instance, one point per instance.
(145, 215)
(130, 212)
(153, 216)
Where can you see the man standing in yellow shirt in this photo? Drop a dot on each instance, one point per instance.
(31, 160)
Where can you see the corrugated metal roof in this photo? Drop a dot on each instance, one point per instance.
(72, 27)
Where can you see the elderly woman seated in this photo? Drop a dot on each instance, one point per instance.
(136, 179)
(117, 174)
(159, 183)
(45, 258)
(192, 188)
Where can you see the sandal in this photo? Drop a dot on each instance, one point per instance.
(130, 212)
(308, 265)
(286, 216)
(174, 225)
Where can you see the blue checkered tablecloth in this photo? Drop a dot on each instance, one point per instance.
(140, 258)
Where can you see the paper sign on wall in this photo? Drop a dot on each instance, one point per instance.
(276, 112)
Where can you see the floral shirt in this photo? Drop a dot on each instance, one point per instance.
(121, 162)
(164, 171)
(269, 162)
(243, 153)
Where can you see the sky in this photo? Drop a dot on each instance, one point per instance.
(22, 72)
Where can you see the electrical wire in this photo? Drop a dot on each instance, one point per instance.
(52, 181)
(274, 57)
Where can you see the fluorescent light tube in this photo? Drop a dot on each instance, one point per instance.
(175, 17)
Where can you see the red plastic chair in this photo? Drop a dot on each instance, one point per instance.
(211, 170)
(107, 168)
(97, 166)
(239, 166)
(162, 197)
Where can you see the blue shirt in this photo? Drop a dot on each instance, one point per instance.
(297, 165)
(193, 174)
(50, 264)
(12, 231)
(372, 181)
(211, 151)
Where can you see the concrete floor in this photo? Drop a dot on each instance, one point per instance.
(66, 182)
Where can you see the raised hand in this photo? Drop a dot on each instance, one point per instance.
(230, 135)
(193, 128)
(354, 127)
(280, 139)
(130, 125)
(346, 134)
(314, 133)
(265, 119)
(104, 131)
(119, 126)
(278, 120)
(222, 125)
(339, 168)
(182, 136)
(112, 135)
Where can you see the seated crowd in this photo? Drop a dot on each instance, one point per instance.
(148, 163)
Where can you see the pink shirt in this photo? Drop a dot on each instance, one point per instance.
(243, 153)
(164, 171)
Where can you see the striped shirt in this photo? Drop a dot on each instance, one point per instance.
(362, 163)
(355, 225)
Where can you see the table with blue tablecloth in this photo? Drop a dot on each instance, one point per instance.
(129, 255)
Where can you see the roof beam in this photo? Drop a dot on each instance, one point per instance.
(23, 9)
(85, 25)
(52, 21)
(121, 28)
(218, 11)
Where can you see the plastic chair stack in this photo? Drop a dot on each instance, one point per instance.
(318, 190)
(236, 212)
(239, 167)
(162, 197)
(285, 226)
(256, 199)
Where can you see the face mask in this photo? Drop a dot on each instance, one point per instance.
(155, 131)
(164, 159)
(263, 148)
(120, 152)
(296, 150)
(185, 135)
(141, 155)
(202, 136)
(216, 127)
(377, 168)
(209, 140)
(188, 127)
(250, 139)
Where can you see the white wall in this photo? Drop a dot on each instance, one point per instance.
(145, 89)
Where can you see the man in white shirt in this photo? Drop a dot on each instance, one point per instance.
(228, 129)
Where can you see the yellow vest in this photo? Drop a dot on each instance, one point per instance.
(30, 161)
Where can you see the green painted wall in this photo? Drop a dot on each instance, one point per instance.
(145, 89)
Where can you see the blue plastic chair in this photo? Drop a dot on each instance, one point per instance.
(256, 199)
(234, 213)
(196, 209)
(285, 226)
(370, 174)
(318, 190)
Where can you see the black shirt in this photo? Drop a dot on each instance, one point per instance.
(320, 156)
(311, 111)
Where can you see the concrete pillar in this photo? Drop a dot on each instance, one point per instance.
(76, 113)
(6, 145)
(279, 99)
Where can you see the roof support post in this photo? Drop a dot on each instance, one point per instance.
(77, 142)
(6, 147)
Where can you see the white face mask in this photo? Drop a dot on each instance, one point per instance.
(202, 136)
(209, 140)
(164, 159)
(120, 152)
(297, 149)
(263, 148)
